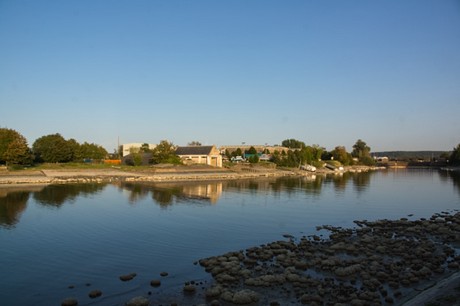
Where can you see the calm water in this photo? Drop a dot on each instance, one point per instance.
(86, 236)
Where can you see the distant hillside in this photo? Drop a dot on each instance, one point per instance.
(402, 155)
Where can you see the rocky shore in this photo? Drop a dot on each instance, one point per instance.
(378, 263)
(385, 262)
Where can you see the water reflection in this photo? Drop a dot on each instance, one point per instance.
(12, 204)
(13, 200)
(168, 193)
(56, 195)
(453, 176)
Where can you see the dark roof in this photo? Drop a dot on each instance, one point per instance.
(194, 150)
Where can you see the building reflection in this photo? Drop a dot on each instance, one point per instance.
(169, 193)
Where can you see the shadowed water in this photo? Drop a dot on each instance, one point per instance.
(85, 236)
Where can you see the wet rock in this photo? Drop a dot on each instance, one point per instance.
(155, 283)
(346, 271)
(164, 274)
(189, 289)
(245, 296)
(69, 302)
(213, 292)
(95, 293)
(307, 299)
(127, 277)
(138, 301)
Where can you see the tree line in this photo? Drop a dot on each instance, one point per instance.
(52, 148)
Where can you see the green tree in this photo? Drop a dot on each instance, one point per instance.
(455, 156)
(13, 147)
(360, 149)
(237, 152)
(251, 150)
(363, 152)
(194, 143)
(340, 154)
(18, 152)
(165, 153)
(145, 148)
(75, 147)
(91, 151)
(293, 144)
(53, 149)
(317, 152)
(254, 159)
(228, 154)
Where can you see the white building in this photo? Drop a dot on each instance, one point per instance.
(128, 148)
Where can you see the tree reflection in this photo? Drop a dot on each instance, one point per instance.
(361, 181)
(12, 205)
(137, 192)
(454, 176)
(56, 195)
(164, 197)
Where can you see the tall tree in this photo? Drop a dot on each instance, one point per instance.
(251, 150)
(340, 154)
(165, 153)
(7, 136)
(455, 156)
(145, 148)
(91, 151)
(18, 152)
(360, 149)
(53, 148)
(363, 152)
(293, 144)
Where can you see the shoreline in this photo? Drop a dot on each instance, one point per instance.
(64, 176)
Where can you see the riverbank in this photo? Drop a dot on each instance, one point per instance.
(160, 174)
(385, 262)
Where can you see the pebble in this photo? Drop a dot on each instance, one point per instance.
(95, 293)
(127, 277)
(69, 302)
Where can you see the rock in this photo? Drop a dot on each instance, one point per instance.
(345, 271)
(69, 302)
(245, 296)
(138, 301)
(164, 274)
(189, 289)
(127, 277)
(155, 283)
(95, 293)
(214, 291)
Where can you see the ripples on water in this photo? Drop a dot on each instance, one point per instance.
(88, 235)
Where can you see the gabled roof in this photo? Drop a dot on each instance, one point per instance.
(194, 150)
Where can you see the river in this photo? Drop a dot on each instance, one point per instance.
(62, 241)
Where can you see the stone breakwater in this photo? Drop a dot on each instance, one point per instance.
(45, 177)
(378, 263)
(109, 175)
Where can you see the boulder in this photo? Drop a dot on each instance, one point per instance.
(138, 301)
(69, 302)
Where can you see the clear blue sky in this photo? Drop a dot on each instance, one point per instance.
(227, 72)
